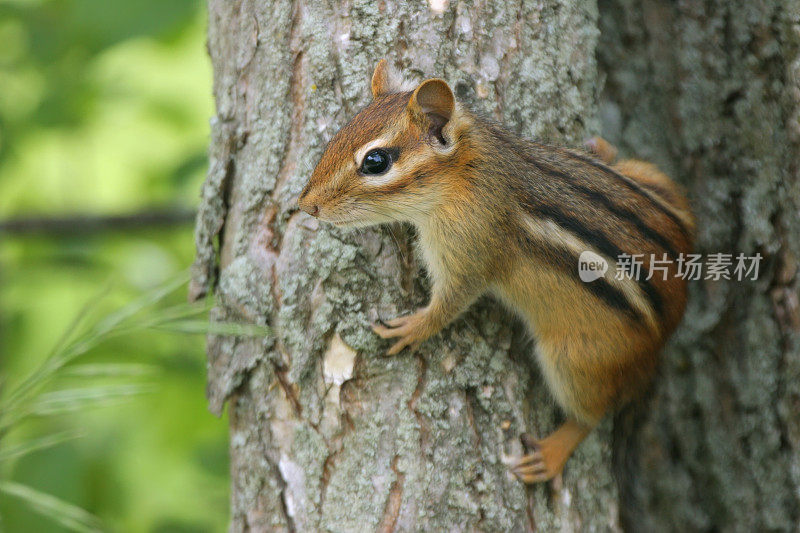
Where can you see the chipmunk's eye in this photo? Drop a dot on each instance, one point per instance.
(376, 161)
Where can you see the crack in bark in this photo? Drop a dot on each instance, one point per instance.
(289, 390)
(529, 512)
(394, 501)
(297, 97)
(471, 402)
(327, 471)
(284, 486)
(424, 431)
(270, 239)
(211, 217)
(289, 519)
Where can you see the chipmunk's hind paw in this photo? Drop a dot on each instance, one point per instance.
(545, 458)
(536, 466)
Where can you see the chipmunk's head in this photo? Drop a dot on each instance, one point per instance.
(387, 163)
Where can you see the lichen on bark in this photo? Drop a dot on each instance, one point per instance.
(413, 442)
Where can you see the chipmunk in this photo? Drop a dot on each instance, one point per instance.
(501, 214)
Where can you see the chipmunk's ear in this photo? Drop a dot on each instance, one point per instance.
(381, 79)
(433, 103)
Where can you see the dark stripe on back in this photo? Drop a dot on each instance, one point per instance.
(596, 237)
(621, 212)
(567, 262)
(635, 187)
(597, 240)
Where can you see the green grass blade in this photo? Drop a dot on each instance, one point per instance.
(79, 344)
(180, 311)
(149, 298)
(110, 370)
(56, 509)
(69, 400)
(39, 376)
(34, 445)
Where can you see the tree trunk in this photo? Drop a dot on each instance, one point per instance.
(329, 434)
(710, 90)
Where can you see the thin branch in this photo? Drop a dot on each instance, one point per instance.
(86, 224)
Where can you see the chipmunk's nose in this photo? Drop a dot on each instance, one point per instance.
(312, 210)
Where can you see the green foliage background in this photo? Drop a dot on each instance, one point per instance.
(104, 109)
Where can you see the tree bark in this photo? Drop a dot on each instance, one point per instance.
(326, 432)
(329, 434)
(710, 90)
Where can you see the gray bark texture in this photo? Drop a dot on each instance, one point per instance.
(328, 434)
(710, 90)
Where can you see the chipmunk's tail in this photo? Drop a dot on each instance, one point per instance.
(659, 183)
(649, 176)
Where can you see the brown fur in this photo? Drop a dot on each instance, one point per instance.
(499, 213)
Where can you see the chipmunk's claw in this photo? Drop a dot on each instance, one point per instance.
(410, 329)
(533, 467)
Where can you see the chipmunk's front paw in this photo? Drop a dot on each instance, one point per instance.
(411, 329)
